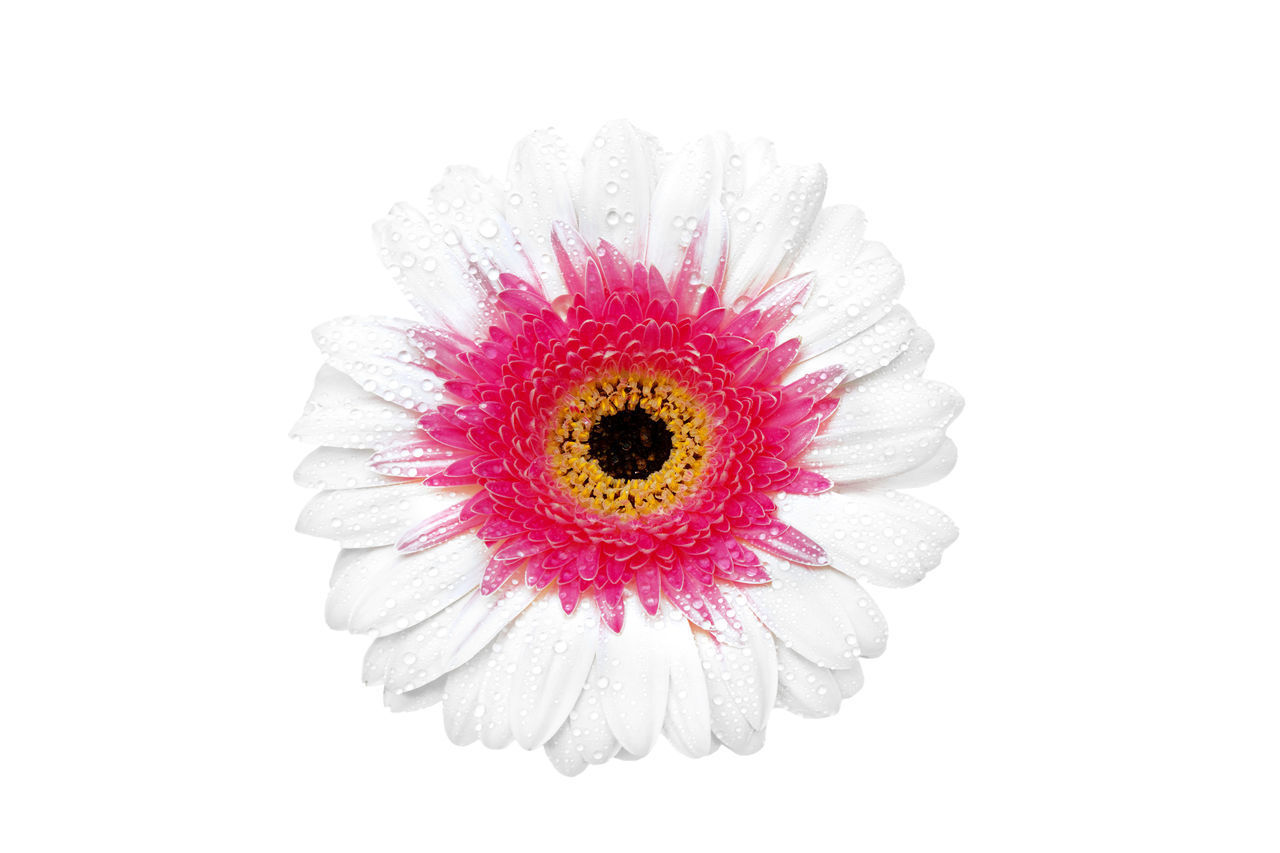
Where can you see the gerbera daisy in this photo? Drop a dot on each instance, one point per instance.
(625, 474)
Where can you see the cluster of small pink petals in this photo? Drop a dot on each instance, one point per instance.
(621, 316)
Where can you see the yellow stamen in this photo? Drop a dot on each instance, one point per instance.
(580, 473)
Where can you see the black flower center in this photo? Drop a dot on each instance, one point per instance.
(630, 444)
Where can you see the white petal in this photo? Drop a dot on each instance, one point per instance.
(376, 352)
(682, 201)
(856, 457)
(855, 283)
(911, 362)
(376, 659)
(931, 470)
(876, 405)
(354, 569)
(556, 654)
(564, 756)
(908, 368)
(424, 254)
(688, 721)
(886, 538)
(340, 413)
(585, 738)
(357, 573)
(471, 208)
(426, 696)
(748, 163)
(742, 683)
(409, 660)
(805, 688)
(882, 429)
(362, 518)
(339, 468)
(871, 350)
(768, 225)
(403, 589)
(619, 173)
(493, 711)
(478, 694)
(483, 616)
(753, 669)
(461, 700)
(543, 180)
(849, 680)
(819, 613)
(637, 670)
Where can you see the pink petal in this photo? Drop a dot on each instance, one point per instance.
(445, 524)
(785, 541)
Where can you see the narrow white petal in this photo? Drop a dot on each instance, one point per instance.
(493, 711)
(342, 414)
(619, 173)
(362, 518)
(768, 225)
(403, 589)
(855, 283)
(358, 573)
(478, 694)
(742, 683)
(422, 251)
(483, 616)
(931, 470)
(353, 572)
(882, 428)
(911, 363)
(339, 468)
(556, 654)
(927, 403)
(471, 210)
(867, 352)
(690, 185)
(462, 699)
(862, 456)
(409, 660)
(376, 352)
(426, 696)
(688, 721)
(849, 680)
(886, 538)
(585, 738)
(819, 613)
(875, 406)
(543, 179)
(750, 163)
(635, 665)
(564, 757)
(753, 682)
(753, 743)
(804, 687)
(891, 422)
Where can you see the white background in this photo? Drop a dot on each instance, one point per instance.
(1085, 200)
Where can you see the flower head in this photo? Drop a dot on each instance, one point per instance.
(621, 477)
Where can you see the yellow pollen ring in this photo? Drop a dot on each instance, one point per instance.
(581, 476)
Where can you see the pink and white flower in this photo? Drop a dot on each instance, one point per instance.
(625, 474)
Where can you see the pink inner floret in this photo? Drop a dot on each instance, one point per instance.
(621, 316)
